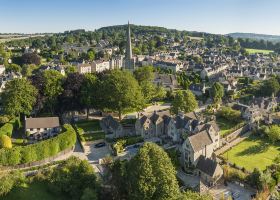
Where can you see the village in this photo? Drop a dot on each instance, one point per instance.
(211, 105)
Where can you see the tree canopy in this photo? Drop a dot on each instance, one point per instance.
(19, 96)
(184, 101)
(217, 92)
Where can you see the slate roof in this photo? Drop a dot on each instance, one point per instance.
(207, 165)
(200, 140)
(42, 122)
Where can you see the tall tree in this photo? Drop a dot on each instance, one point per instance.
(217, 92)
(88, 90)
(120, 92)
(152, 175)
(19, 96)
(184, 101)
(69, 100)
(52, 87)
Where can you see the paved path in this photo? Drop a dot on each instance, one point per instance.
(233, 143)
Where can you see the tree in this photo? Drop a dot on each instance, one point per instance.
(88, 89)
(70, 100)
(13, 68)
(27, 70)
(89, 194)
(217, 92)
(31, 58)
(270, 87)
(120, 92)
(143, 74)
(52, 87)
(230, 114)
(184, 101)
(5, 142)
(8, 180)
(19, 96)
(274, 133)
(151, 175)
(74, 177)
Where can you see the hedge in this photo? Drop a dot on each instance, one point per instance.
(7, 129)
(39, 151)
(121, 143)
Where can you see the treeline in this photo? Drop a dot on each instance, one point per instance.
(259, 44)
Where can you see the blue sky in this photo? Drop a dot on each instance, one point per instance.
(215, 16)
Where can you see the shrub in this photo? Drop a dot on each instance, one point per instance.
(121, 143)
(5, 142)
(230, 114)
(40, 150)
(4, 119)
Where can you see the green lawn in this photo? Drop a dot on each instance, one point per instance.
(93, 136)
(33, 191)
(254, 152)
(225, 126)
(254, 51)
(89, 125)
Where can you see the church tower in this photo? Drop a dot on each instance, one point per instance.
(129, 61)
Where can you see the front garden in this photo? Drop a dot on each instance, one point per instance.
(89, 130)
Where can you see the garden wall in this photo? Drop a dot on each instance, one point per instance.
(232, 136)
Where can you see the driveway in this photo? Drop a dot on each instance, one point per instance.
(92, 154)
(241, 192)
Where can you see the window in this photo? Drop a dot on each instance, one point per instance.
(45, 129)
(31, 129)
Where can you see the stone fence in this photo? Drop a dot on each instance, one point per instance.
(232, 136)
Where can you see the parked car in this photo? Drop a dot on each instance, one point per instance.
(100, 144)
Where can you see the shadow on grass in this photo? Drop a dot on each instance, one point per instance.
(256, 149)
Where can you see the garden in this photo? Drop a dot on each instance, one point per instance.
(228, 120)
(253, 152)
(89, 130)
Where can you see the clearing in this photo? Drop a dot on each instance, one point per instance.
(254, 51)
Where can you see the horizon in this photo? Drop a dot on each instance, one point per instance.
(209, 16)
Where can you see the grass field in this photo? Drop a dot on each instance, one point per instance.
(254, 51)
(33, 191)
(89, 125)
(254, 152)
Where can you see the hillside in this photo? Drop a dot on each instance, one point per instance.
(271, 38)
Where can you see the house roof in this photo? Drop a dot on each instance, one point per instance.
(207, 165)
(42, 122)
(200, 140)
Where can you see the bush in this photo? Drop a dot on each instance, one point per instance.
(4, 119)
(40, 150)
(121, 143)
(7, 181)
(5, 142)
(230, 114)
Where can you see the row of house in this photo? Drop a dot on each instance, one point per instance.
(198, 137)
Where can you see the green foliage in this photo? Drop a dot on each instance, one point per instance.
(184, 101)
(269, 87)
(76, 178)
(7, 129)
(152, 175)
(4, 119)
(217, 92)
(174, 156)
(230, 114)
(274, 133)
(52, 87)
(40, 150)
(5, 142)
(121, 143)
(120, 92)
(8, 180)
(143, 74)
(19, 96)
(190, 195)
(88, 90)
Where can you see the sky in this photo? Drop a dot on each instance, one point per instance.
(214, 16)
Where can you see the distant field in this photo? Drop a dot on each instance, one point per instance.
(253, 152)
(195, 38)
(254, 51)
(7, 38)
